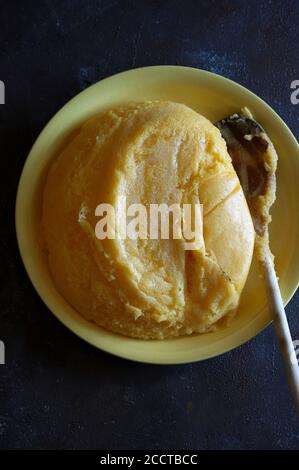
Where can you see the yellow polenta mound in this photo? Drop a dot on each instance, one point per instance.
(152, 152)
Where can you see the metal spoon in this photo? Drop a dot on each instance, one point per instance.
(254, 159)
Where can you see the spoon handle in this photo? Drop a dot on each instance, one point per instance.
(282, 329)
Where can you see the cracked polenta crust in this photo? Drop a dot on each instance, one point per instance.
(151, 152)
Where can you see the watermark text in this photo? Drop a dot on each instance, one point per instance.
(2, 353)
(155, 221)
(295, 93)
(2, 92)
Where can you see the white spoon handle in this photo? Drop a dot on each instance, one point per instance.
(282, 329)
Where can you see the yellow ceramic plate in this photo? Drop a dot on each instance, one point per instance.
(214, 97)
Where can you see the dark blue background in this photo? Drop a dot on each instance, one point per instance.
(56, 391)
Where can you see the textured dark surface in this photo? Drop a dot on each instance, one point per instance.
(55, 390)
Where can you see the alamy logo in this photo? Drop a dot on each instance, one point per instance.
(2, 93)
(158, 221)
(295, 94)
(2, 353)
(295, 353)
